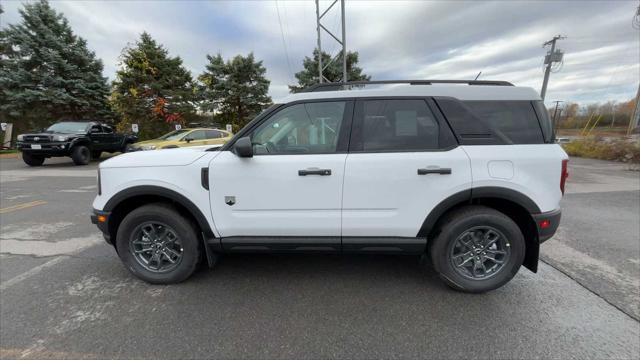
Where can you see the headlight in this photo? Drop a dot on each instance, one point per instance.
(60, 138)
(148, 147)
(20, 137)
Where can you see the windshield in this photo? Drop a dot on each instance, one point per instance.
(69, 127)
(174, 135)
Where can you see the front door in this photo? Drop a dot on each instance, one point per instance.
(403, 161)
(289, 193)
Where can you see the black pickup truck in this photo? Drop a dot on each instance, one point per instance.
(81, 140)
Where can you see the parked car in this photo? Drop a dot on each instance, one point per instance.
(81, 140)
(184, 138)
(466, 173)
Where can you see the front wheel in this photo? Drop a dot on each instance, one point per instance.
(477, 249)
(158, 245)
(80, 155)
(32, 160)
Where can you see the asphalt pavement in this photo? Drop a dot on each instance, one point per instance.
(65, 294)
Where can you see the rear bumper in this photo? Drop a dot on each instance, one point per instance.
(547, 224)
(101, 219)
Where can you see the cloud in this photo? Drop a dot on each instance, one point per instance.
(395, 39)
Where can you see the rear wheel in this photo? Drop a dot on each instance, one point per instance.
(80, 155)
(477, 249)
(32, 160)
(158, 245)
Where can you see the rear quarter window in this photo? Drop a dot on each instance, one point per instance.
(516, 120)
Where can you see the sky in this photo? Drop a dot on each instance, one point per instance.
(394, 39)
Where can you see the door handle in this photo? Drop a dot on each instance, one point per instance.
(441, 171)
(321, 172)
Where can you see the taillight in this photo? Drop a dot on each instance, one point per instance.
(564, 174)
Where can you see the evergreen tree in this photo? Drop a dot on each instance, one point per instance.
(309, 75)
(236, 90)
(47, 73)
(152, 89)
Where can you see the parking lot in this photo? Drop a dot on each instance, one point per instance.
(64, 292)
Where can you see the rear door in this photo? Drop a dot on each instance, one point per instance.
(112, 140)
(403, 160)
(289, 193)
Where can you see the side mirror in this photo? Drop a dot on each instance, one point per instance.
(243, 147)
(188, 139)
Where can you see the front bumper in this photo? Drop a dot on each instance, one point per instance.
(547, 224)
(51, 148)
(101, 219)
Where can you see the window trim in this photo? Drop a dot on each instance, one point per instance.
(552, 135)
(343, 134)
(357, 125)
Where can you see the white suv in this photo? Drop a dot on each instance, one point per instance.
(465, 172)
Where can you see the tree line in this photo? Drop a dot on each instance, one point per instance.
(610, 114)
(48, 74)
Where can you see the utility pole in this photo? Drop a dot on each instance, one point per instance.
(552, 56)
(635, 115)
(342, 41)
(555, 113)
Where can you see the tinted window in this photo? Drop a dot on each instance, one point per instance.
(517, 120)
(196, 135)
(310, 128)
(213, 134)
(397, 125)
(107, 129)
(468, 127)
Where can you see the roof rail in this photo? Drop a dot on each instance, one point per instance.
(342, 86)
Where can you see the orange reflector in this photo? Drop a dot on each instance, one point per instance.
(543, 224)
(102, 218)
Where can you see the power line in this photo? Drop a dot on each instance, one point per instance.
(284, 43)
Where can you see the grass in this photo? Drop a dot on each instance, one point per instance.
(8, 151)
(597, 148)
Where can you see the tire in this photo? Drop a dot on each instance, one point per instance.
(32, 160)
(95, 155)
(186, 242)
(464, 225)
(80, 155)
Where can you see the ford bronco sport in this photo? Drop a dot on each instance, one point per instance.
(464, 172)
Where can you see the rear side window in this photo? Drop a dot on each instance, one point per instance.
(213, 134)
(397, 125)
(517, 120)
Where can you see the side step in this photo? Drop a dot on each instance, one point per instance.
(320, 244)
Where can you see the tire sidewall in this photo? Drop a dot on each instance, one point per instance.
(441, 251)
(32, 160)
(81, 155)
(180, 225)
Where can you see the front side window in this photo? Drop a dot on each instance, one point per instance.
(396, 125)
(310, 128)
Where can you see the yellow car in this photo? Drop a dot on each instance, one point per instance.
(185, 137)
